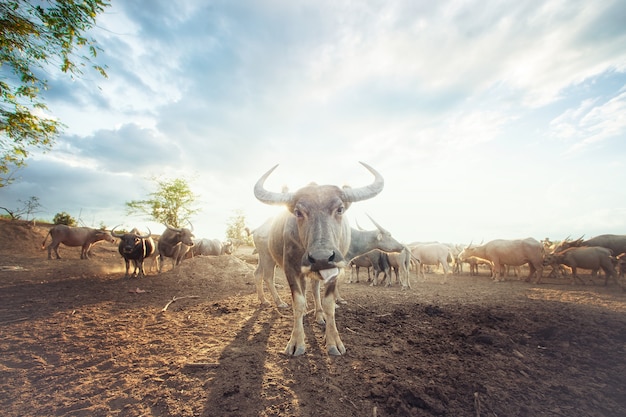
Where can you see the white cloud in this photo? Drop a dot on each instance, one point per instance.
(454, 102)
(595, 120)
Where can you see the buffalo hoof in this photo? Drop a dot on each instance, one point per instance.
(282, 305)
(333, 351)
(299, 350)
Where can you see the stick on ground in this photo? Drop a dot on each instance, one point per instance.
(176, 299)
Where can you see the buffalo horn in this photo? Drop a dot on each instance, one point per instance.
(379, 227)
(350, 195)
(270, 197)
(145, 236)
(114, 234)
(172, 228)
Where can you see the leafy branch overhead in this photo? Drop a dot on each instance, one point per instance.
(172, 203)
(35, 39)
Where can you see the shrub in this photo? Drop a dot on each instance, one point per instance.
(64, 218)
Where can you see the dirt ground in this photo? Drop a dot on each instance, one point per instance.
(77, 339)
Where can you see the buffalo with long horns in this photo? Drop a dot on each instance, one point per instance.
(312, 239)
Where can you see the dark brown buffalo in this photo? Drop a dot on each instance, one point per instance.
(616, 243)
(585, 257)
(311, 240)
(134, 247)
(74, 236)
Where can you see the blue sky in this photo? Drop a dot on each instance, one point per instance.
(497, 119)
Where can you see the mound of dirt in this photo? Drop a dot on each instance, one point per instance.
(220, 274)
(22, 237)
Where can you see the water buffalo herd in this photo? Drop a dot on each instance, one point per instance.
(313, 240)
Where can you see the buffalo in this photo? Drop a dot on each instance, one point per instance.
(213, 247)
(515, 252)
(135, 247)
(585, 257)
(431, 254)
(616, 243)
(174, 243)
(311, 240)
(74, 236)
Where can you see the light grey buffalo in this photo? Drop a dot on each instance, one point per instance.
(375, 259)
(211, 247)
(74, 236)
(474, 261)
(431, 254)
(311, 239)
(366, 246)
(366, 260)
(361, 242)
(174, 243)
(400, 263)
(585, 257)
(514, 252)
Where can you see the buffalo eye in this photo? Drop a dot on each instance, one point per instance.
(340, 210)
(298, 213)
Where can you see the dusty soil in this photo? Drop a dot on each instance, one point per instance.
(78, 339)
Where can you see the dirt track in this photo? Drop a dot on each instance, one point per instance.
(78, 339)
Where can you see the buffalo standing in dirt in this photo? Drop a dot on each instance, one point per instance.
(515, 252)
(74, 236)
(311, 239)
(616, 243)
(585, 257)
(174, 243)
(134, 247)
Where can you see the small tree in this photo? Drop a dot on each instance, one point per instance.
(172, 203)
(64, 218)
(27, 208)
(236, 228)
(31, 206)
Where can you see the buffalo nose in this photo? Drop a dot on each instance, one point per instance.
(321, 257)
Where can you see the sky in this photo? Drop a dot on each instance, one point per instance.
(487, 119)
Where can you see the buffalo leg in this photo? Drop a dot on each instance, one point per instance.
(142, 273)
(296, 346)
(264, 273)
(334, 345)
(319, 311)
(127, 268)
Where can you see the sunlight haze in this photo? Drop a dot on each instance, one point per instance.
(486, 119)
